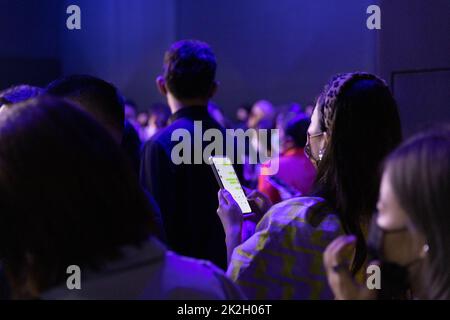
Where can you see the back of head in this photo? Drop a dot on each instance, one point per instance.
(419, 173)
(297, 129)
(190, 69)
(360, 117)
(68, 195)
(19, 93)
(96, 96)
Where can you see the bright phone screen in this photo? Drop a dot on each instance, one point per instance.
(230, 182)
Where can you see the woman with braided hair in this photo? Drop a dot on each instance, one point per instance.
(355, 124)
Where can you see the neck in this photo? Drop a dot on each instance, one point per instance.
(176, 104)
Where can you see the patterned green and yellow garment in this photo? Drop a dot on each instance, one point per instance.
(283, 259)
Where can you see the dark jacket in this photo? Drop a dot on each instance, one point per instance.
(186, 193)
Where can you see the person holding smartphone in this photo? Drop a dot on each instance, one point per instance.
(355, 124)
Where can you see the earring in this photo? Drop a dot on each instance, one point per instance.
(425, 250)
(321, 151)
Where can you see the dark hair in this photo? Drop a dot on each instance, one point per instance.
(190, 69)
(297, 129)
(19, 93)
(68, 194)
(95, 95)
(131, 144)
(364, 129)
(419, 172)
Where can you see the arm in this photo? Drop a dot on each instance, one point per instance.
(238, 227)
(231, 217)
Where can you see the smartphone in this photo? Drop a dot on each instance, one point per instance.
(228, 180)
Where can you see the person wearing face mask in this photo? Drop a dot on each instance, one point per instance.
(355, 124)
(410, 236)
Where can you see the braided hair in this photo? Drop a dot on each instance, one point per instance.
(360, 116)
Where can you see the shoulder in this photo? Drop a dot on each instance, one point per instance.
(286, 249)
(296, 222)
(205, 280)
(160, 142)
(304, 210)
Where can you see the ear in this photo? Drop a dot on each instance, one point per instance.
(161, 85)
(324, 142)
(214, 89)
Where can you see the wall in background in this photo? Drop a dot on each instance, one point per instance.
(29, 41)
(414, 55)
(283, 51)
(121, 41)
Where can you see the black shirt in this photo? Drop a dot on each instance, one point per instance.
(186, 193)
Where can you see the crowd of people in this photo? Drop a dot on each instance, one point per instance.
(88, 179)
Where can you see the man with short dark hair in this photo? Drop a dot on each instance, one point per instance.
(105, 104)
(97, 97)
(186, 193)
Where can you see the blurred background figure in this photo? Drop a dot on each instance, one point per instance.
(309, 110)
(242, 115)
(131, 112)
(99, 98)
(296, 173)
(158, 119)
(262, 116)
(142, 121)
(295, 107)
(217, 114)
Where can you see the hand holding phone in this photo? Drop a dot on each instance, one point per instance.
(228, 180)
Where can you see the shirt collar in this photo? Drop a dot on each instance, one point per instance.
(192, 112)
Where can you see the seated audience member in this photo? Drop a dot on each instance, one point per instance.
(242, 115)
(142, 122)
(296, 173)
(158, 119)
(262, 111)
(261, 118)
(347, 143)
(69, 198)
(186, 192)
(410, 236)
(104, 102)
(309, 110)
